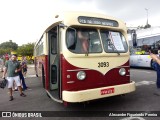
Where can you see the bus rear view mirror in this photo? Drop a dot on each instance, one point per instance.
(134, 39)
(71, 38)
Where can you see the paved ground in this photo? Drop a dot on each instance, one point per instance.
(143, 99)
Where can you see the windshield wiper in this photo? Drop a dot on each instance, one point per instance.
(111, 44)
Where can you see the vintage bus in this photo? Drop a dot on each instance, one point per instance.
(84, 56)
(147, 40)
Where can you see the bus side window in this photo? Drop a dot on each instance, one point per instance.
(53, 38)
(54, 44)
(71, 39)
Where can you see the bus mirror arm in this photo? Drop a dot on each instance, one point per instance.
(61, 25)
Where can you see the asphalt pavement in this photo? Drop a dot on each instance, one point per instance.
(143, 99)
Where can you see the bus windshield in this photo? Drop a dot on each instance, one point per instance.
(88, 41)
(113, 41)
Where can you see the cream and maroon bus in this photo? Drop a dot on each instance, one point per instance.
(84, 56)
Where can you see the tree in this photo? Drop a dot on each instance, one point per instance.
(2, 52)
(5, 51)
(26, 50)
(9, 45)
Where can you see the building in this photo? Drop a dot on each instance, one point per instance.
(147, 36)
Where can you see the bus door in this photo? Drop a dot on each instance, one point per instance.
(54, 58)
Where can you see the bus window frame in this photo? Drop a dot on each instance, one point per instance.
(39, 47)
(54, 43)
(86, 28)
(126, 47)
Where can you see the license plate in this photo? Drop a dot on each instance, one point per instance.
(107, 91)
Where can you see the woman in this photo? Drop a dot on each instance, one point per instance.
(156, 66)
(155, 58)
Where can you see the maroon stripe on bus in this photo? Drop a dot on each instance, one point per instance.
(94, 79)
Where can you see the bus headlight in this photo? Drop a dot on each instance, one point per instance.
(81, 75)
(122, 71)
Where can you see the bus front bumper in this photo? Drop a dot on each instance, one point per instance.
(97, 93)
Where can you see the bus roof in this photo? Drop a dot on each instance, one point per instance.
(71, 18)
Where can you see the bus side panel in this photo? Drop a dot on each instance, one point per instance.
(140, 61)
(38, 65)
(39, 62)
(35, 66)
(46, 70)
(94, 79)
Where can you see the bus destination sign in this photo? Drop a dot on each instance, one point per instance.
(97, 21)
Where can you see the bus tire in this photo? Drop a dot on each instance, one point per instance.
(43, 77)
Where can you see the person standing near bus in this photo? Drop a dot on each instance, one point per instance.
(6, 57)
(1, 64)
(12, 67)
(156, 67)
(22, 79)
(24, 66)
(155, 58)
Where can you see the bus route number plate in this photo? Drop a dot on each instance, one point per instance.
(107, 91)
